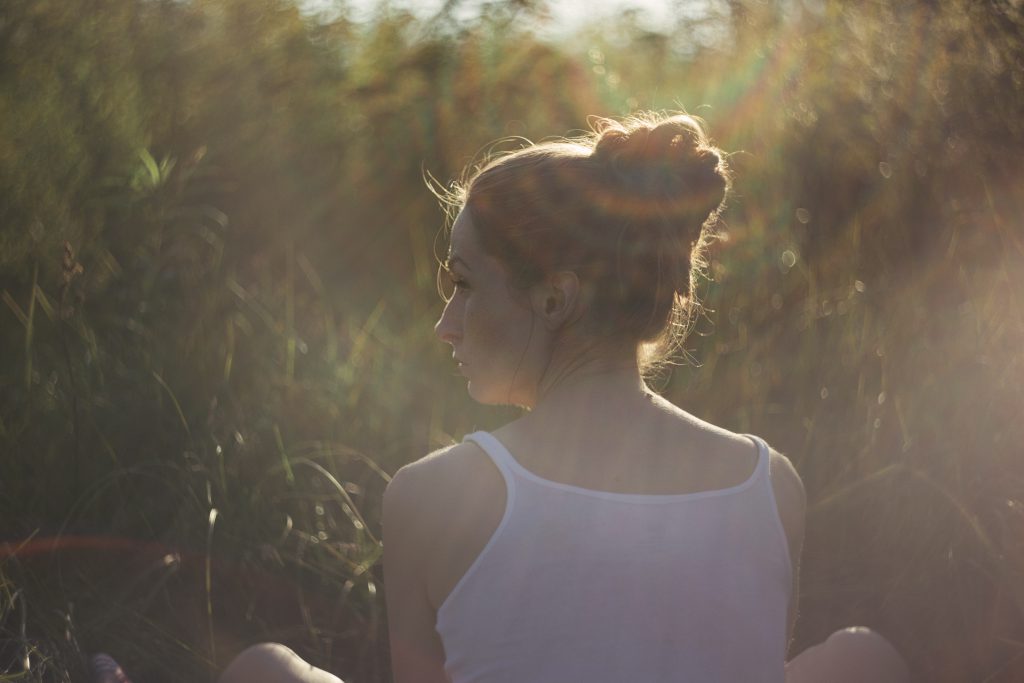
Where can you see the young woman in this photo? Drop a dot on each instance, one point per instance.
(606, 535)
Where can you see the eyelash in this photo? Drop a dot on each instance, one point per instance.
(455, 282)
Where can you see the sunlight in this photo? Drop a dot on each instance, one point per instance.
(565, 15)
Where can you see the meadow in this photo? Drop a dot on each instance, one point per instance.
(218, 258)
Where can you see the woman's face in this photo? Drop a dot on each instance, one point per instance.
(498, 343)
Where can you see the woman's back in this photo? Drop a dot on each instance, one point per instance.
(581, 584)
(710, 553)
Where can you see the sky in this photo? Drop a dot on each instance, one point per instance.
(565, 14)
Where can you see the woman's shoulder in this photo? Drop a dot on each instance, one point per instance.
(444, 507)
(790, 499)
(453, 464)
(722, 440)
(785, 478)
(787, 487)
(436, 486)
(786, 482)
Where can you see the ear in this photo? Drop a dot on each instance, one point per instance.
(555, 299)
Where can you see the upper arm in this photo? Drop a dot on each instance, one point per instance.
(791, 502)
(416, 650)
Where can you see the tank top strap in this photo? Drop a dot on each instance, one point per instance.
(497, 452)
(761, 470)
(763, 473)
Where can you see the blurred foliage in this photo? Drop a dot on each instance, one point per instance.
(217, 262)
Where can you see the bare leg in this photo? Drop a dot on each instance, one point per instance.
(852, 655)
(273, 663)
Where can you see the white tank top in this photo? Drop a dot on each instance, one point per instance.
(584, 586)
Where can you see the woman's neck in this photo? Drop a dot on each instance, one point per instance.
(590, 380)
(586, 413)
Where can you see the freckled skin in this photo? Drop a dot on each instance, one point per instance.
(490, 326)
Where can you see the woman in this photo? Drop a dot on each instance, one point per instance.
(606, 535)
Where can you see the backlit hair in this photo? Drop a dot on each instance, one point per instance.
(629, 208)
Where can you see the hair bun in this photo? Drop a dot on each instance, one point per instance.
(670, 162)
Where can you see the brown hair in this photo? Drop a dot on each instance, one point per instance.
(629, 208)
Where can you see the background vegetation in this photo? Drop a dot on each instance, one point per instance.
(217, 262)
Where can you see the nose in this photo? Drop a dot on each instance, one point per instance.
(446, 327)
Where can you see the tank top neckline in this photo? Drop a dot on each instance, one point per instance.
(506, 462)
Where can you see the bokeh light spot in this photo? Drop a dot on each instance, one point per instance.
(788, 259)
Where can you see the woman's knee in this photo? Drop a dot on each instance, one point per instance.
(850, 654)
(273, 663)
(859, 643)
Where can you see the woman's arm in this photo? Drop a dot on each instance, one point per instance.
(791, 503)
(416, 651)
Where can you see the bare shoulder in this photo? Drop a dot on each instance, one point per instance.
(424, 495)
(789, 488)
(786, 483)
(438, 465)
(437, 476)
(790, 500)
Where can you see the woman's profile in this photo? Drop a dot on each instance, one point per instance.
(607, 534)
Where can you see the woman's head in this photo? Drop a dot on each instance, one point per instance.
(627, 209)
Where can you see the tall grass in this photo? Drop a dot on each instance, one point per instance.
(217, 275)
